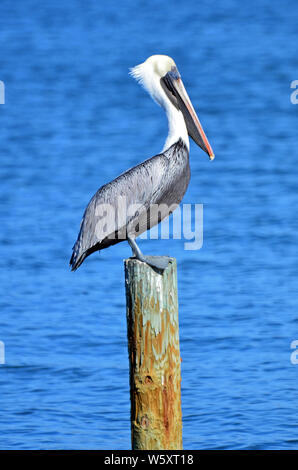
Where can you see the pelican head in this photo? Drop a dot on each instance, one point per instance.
(160, 77)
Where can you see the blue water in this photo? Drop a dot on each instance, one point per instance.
(73, 119)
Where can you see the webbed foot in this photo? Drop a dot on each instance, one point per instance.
(159, 262)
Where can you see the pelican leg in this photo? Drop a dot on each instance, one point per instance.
(159, 262)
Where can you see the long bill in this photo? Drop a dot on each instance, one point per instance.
(173, 86)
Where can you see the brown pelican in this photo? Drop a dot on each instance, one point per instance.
(123, 209)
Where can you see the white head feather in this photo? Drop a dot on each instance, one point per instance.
(148, 74)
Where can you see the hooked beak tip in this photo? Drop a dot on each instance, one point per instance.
(211, 156)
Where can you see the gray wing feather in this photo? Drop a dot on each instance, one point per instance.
(139, 185)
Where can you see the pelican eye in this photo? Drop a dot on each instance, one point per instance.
(174, 73)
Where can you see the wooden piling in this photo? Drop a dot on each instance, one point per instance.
(154, 356)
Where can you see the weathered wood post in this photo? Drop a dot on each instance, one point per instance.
(154, 356)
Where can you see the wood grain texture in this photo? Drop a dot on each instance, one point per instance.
(154, 356)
